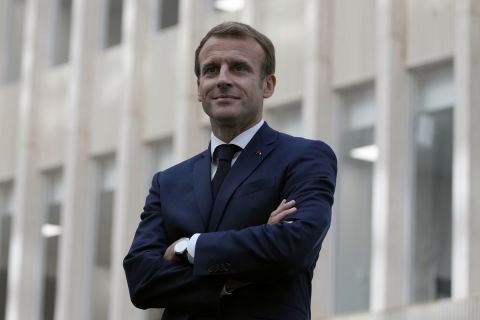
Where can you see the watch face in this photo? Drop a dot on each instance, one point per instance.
(181, 246)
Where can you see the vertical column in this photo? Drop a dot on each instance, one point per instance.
(249, 12)
(390, 217)
(24, 279)
(76, 259)
(188, 110)
(318, 99)
(132, 184)
(466, 162)
(318, 119)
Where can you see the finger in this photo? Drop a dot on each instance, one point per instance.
(284, 205)
(285, 213)
(281, 215)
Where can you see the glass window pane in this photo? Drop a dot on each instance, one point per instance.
(162, 155)
(433, 185)
(113, 23)
(286, 118)
(103, 237)
(13, 58)
(167, 13)
(6, 206)
(354, 200)
(62, 28)
(51, 232)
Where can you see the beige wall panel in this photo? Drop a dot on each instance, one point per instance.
(106, 101)
(289, 72)
(284, 26)
(52, 105)
(160, 84)
(8, 130)
(430, 31)
(353, 41)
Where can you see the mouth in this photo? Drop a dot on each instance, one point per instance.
(224, 96)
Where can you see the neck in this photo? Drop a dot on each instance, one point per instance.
(228, 133)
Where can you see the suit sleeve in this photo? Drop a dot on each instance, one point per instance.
(155, 282)
(284, 248)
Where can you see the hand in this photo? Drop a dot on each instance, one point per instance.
(284, 209)
(170, 252)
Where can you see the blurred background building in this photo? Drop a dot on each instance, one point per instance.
(97, 95)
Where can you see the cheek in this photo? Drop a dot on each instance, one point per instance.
(204, 89)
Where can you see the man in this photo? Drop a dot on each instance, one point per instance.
(216, 242)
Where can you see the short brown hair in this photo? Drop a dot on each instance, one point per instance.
(240, 30)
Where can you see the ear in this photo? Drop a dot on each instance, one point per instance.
(269, 85)
(199, 98)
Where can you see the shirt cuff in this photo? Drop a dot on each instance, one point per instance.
(191, 247)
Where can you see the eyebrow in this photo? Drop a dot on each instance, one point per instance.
(231, 62)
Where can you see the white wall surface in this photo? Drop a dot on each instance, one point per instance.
(106, 101)
(353, 41)
(160, 85)
(52, 105)
(430, 31)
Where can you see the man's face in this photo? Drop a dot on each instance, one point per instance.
(231, 85)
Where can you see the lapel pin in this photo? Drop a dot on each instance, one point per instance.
(258, 153)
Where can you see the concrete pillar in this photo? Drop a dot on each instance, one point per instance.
(318, 98)
(389, 281)
(188, 111)
(76, 246)
(25, 275)
(318, 118)
(466, 162)
(250, 12)
(131, 157)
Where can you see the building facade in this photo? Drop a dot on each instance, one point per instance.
(97, 95)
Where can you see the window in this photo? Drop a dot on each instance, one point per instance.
(105, 186)
(61, 31)
(356, 155)
(167, 13)
(113, 23)
(161, 155)
(51, 231)
(13, 56)
(432, 220)
(286, 118)
(6, 211)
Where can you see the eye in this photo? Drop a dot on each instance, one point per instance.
(240, 67)
(209, 69)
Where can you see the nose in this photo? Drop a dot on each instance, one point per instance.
(224, 78)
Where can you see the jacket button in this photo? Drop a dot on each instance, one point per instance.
(213, 268)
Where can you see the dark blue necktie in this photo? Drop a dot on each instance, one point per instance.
(224, 153)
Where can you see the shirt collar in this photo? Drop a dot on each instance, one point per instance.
(241, 140)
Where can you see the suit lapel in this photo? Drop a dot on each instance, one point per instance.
(254, 153)
(202, 185)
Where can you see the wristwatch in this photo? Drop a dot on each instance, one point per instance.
(180, 248)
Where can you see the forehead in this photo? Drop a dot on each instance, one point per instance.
(229, 48)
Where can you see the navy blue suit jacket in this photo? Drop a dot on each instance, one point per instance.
(236, 243)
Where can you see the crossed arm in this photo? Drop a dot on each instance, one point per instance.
(156, 280)
(282, 211)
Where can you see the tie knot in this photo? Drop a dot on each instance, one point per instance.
(226, 151)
